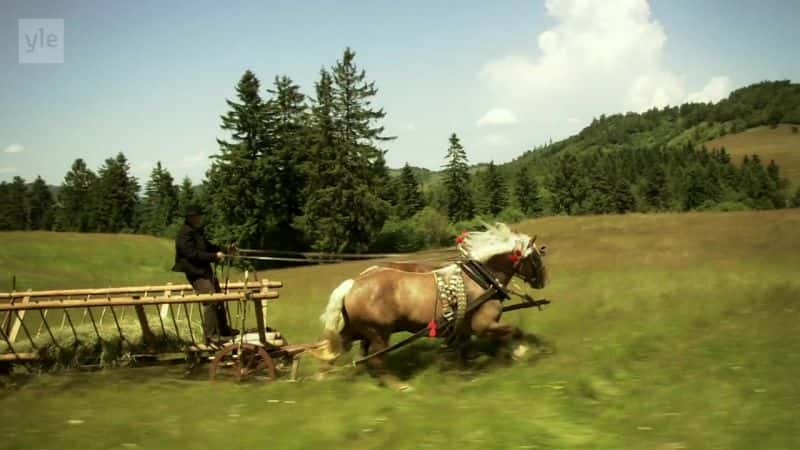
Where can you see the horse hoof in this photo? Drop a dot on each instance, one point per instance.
(320, 376)
(519, 352)
(403, 387)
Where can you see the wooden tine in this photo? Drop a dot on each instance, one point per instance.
(43, 313)
(18, 323)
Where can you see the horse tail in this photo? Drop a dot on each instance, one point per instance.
(333, 320)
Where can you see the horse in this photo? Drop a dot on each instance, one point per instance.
(404, 297)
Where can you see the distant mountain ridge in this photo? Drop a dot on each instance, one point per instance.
(766, 103)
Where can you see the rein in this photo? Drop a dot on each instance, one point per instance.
(478, 272)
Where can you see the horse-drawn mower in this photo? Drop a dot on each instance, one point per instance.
(145, 324)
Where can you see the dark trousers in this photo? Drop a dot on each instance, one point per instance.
(215, 321)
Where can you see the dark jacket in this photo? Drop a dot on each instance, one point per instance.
(193, 252)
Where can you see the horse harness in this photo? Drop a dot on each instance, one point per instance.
(452, 295)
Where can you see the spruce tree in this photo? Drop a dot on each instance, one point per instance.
(239, 181)
(623, 196)
(457, 183)
(495, 191)
(343, 211)
(409, 196)
(77, 205)
(186, 196)
(5, 200)
(19, 208)
(694, 187)
(776, 185)
(656, 188)
(599, 183)
(160, 202)
(565, 184)
(116, 193)
(796, 198)
(40, 201)
(358, 123)
(526, 191)
(14, 205)
(286, 122)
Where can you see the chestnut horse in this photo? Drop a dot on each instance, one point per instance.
(404, 297)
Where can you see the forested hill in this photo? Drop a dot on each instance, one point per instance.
(307, 170)
(765, 103)
(650, 161)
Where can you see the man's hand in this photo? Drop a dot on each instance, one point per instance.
(220, 256)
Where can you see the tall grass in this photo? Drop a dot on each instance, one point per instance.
(666, 331)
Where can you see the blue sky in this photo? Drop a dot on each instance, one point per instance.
(151, 78)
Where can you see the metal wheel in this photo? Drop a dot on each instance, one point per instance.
(242, 362)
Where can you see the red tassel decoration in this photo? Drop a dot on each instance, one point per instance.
(432, 328)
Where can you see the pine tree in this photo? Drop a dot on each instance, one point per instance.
(160, 202)
(694, 187)
(343, 211)
(526, 191)
(77, 205)
(18, 210)
(186, 195)
(5, 201)
(358, 123)
(409, 196)
(381, 180)
(775, 185)
(117, 196)
(623, 197)
(565, 184)
(14, 205)
(40, 201)
(796, 198)
(495, 191)
(457, 182)
(239, 181)
(656, 189)
(599, 182)
(286, 122)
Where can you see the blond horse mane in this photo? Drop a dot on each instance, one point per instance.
(497, 239)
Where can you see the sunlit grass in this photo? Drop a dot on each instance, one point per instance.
(666, 331)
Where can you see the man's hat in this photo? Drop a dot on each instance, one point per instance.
(193, 210)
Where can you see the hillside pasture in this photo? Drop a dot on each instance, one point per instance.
(666, 331)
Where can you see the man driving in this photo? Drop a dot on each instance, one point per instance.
(194, 254)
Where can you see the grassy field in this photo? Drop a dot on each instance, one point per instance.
(666, 331)
(780, 144)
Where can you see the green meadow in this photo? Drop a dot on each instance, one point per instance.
(666, 331)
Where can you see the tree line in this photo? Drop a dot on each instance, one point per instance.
(302, 171)
(105, 201)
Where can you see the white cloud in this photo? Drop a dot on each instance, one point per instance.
(14, 148)
(574, 121)
(498, 116)
(598, 57)
(715, 90)
(8, 170)
(411, 127)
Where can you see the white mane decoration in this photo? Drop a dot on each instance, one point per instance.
(497, 239)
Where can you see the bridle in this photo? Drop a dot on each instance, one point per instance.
(529, 278)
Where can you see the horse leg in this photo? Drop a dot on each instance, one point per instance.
(506, 334)
(378, 341)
